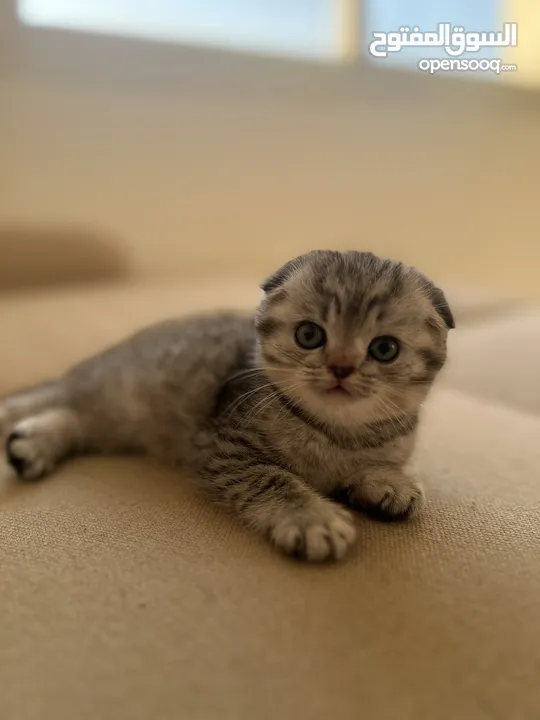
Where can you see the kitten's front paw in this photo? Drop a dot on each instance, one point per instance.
(319, 532)
(388, 496)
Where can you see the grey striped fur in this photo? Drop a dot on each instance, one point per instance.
(247, 410)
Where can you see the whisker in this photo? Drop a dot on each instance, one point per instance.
(251, 371)
(245, 396)
(388, 416)
(252, 412)
(283, 410)
(396, 421)
(398, 418)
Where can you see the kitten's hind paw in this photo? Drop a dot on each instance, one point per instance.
(28, 456)
(317, 533)
(36, 445)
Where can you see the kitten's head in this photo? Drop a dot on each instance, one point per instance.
(351, 337)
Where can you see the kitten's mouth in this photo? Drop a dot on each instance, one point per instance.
(337, 391)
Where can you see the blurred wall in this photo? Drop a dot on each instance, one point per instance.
(206, 162)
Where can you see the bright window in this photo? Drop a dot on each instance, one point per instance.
(389, 15)
(324, 30)
(305, 28)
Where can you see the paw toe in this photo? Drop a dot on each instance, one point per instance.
(397, 505)
(316, 538)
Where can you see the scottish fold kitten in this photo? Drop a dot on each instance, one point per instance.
(314, 398)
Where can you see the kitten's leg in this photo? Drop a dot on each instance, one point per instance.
(282, 507)
(386, 493)
(26, 403)
(38, 443)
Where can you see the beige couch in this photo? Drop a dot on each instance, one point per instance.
(124, 596)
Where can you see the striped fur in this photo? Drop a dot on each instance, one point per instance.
(252, 413)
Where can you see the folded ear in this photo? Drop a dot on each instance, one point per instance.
(438, 300)
(284, 273)
(441, 305)
(279, 277)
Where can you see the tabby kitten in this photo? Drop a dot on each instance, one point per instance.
(317, 397)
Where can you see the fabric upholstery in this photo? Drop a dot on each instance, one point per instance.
(125, 596)
(499, 359)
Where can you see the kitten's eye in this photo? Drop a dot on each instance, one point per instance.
(384, 348)
(310, 336)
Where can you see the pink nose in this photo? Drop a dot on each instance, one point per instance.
(341, 371)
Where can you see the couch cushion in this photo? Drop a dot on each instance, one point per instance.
(124, 595)
(498, 359)
(475, 305)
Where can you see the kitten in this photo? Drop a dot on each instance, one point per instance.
(317, 397)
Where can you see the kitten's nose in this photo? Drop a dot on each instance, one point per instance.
(341, 371)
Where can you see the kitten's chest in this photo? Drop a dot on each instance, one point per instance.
(319, 461)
